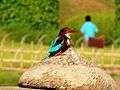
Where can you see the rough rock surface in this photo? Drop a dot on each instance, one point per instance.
(67, 72)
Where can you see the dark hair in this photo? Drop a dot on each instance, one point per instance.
(88, 18)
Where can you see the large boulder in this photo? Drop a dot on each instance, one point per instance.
(67, 72)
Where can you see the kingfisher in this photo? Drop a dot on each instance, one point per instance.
(61, 43)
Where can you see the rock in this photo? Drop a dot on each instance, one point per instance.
(67, 72)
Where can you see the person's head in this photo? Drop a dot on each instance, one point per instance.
(88, 18)
(66, 31)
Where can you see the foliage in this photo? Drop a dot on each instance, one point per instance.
(9, 78)
(29, 17)
(118, 18)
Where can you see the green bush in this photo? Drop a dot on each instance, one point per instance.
(29, 17)
(9, 78)
(118, 18)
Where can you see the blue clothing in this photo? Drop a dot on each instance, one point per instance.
(88, 29)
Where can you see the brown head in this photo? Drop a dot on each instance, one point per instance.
(66, 30)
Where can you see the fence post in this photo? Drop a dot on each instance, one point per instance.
(1, 50)
(82, 47)
(112, 55)
(21, 49)
(1, 57)
(32, 45)
(93, 51)
(22, 61)
(96, 52)
(32, 48)
(13, 43)
(39, 42)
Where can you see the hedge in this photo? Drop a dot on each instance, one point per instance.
(26, 15)
(38, 14)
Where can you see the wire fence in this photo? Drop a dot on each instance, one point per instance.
(22, 56)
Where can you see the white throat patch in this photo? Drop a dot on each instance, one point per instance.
(67, 35)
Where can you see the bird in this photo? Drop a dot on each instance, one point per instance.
(61, 42)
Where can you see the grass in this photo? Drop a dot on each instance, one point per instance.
(42, 53)
(115, 75)
(101, 11)
(76, 7)
(9, 78)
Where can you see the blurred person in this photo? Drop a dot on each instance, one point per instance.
(89, 29)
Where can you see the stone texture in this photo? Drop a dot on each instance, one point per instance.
(67, 72)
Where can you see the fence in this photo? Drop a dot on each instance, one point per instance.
(21, 56)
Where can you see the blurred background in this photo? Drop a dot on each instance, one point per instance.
(27, 28)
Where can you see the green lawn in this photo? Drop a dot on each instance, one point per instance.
(9, 78)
